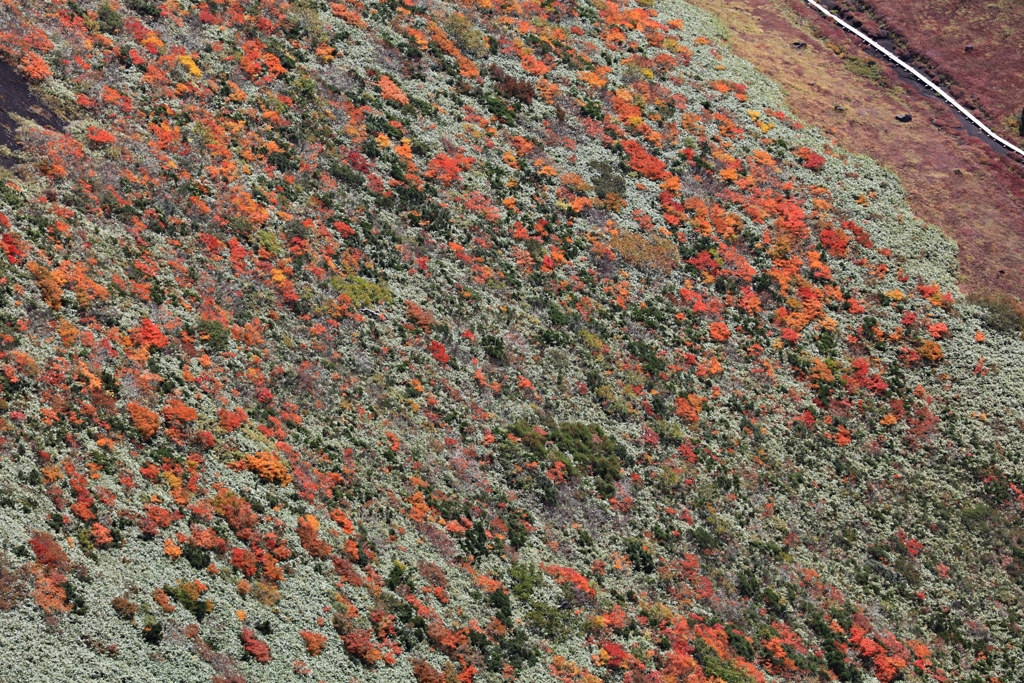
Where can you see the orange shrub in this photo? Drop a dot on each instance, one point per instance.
(567, 575)
(144, 419)
(930, 351)
(177, 410)
(689, 408)
(719, 331)
(315, 642)
(101, 535)
(391, 92)
(48, 286)
(265, 465)
(35, 67)
(419, 316)
(49, 593)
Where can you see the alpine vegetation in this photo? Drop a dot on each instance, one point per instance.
(498, 340)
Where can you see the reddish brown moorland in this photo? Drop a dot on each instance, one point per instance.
(977, 47)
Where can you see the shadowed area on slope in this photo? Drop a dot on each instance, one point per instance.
(17, 99)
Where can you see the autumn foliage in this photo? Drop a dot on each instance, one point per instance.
(507, 340)
(35, 67)
(254, 647)
(265, 465)
(144, 420)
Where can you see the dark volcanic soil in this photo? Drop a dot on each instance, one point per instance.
(16, 98)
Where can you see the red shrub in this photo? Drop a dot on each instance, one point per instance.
(359, 644)
(810, 159)
(13, 585)
(245, 561)
(308, 531)
(259, 650)
(100, 136)
(236, 511)
(148, 334)
(645, 163)
(447, 168)
(425, 673)
(835, 241)
(47, 551)
(230, 420)
(439, 352)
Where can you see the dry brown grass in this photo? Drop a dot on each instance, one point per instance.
(647, 253)
(1001, 311)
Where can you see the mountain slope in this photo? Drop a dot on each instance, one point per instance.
(423, 341)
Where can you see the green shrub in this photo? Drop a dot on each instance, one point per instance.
(145, 7)
(866, 68)
(361, 291)
(549, 621)
(716, 667)
(494, 347)
(400, 575)
(499, 601)
(704, 539)
(346, 174)
(639, 555)
(152, 630)
(187, 594)
(1002, 311)
(109, 20)
(214, 334)
(196, 556)
(271, 242)
(593, 110)
(525, 577)
(607, 181)
(469, 39)
(582, 448)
